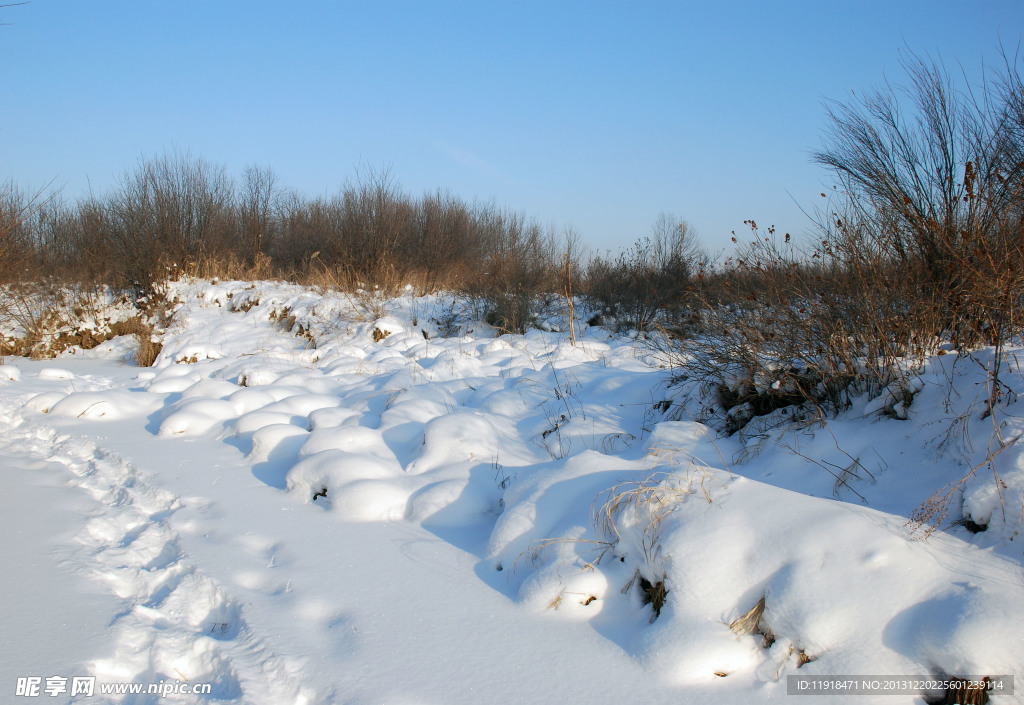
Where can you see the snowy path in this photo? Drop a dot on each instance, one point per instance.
(173, 620)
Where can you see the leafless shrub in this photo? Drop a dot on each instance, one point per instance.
(255, 208)
(648, 284)
(777, 327)
(173, 207)
(19, 211)
(519, 264)
(936, 193)
(445, 242)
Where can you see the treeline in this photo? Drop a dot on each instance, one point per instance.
(178, 213)
(181, 213)
(183, 210)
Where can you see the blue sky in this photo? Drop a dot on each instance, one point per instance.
(595, 115)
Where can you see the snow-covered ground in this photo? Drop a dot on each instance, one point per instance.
(299, 504)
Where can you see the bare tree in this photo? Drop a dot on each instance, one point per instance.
(259, 189)
(932, 179)
(173, 208)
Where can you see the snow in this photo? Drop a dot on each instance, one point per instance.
(292, 512)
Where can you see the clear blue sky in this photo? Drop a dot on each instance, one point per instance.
(596, 115)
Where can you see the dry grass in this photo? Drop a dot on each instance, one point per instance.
(584, 598)
(630, 505)
(51, 317)
(147, 349)
(54, 316)
(640, 503)
(751, 623)
(644, 504)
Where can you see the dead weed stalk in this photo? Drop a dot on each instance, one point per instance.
(931, 513)
(644, 503)
(532, 553)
